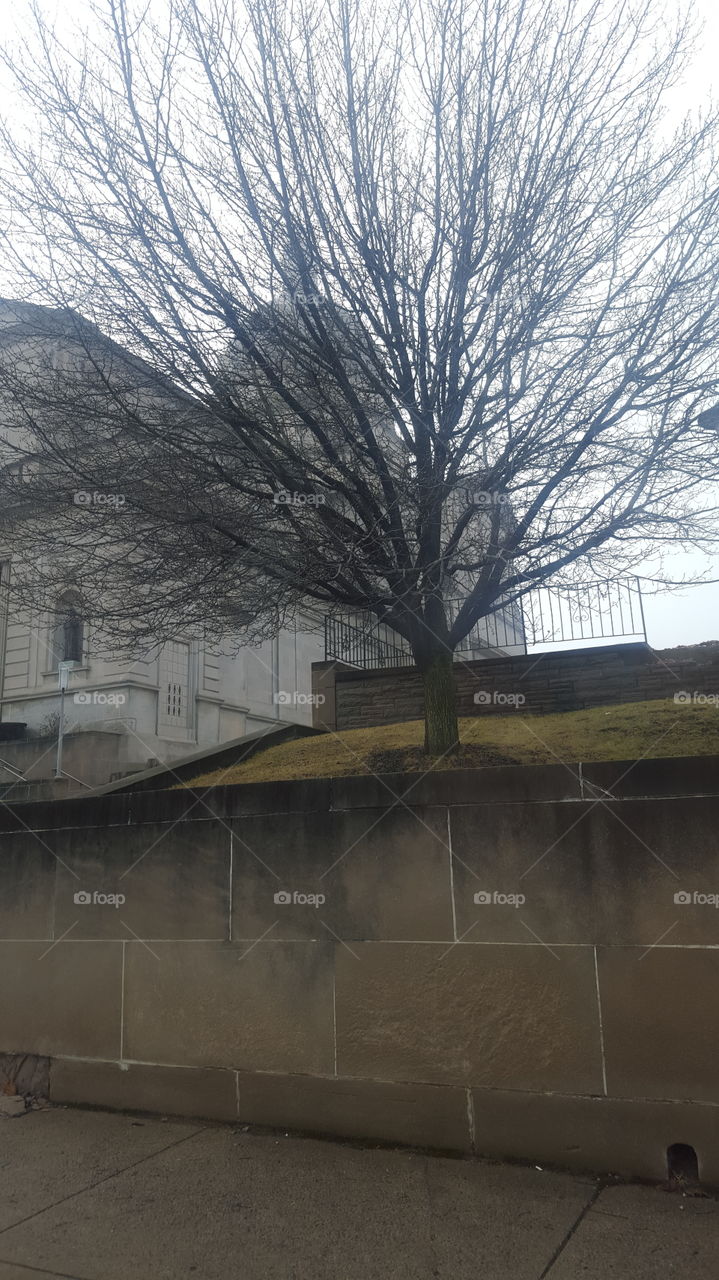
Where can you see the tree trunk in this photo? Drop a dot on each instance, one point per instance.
(441, 731)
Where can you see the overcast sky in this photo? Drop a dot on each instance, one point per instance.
(679, 616)
(692, 614)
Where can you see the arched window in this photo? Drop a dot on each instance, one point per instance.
(67, 639)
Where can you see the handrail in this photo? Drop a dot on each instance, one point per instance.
(5, 764)
(593, 611)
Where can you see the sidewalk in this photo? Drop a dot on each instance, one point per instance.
(96, 1196)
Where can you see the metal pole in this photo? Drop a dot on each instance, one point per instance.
(58, 762)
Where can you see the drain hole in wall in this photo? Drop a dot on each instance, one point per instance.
(682, 1166)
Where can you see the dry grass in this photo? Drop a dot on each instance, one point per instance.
(623, 732)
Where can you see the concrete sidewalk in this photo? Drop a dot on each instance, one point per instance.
(97, 1196)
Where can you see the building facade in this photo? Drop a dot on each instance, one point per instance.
(161, 706)
(121, 715)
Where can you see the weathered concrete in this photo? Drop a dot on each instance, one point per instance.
(392, 885)
(498, 1016)
(267, 1010)
(517, 784)
(90, 1196)
(419, 960)
(48, 1156)
(649, 1235)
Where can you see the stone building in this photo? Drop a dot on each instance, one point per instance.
(122, 715)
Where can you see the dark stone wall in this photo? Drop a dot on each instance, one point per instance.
(567, 681)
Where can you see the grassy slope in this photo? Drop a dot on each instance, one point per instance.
(623, 732)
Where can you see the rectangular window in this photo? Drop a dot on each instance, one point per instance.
(173, 712)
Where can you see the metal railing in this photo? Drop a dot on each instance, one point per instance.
(362, 642)
(589, 612)
(17, 774)
(610, 610)
(504, 629)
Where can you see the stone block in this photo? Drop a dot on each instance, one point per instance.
(176, 1091)
(266, 1006)
(174, 878)
(604, 873)
(661, 1021)
(374, 1110)
(27, 886)
(500, 1016)
(503, 853)
(60, 999)
(599, 1135)
(368, 874)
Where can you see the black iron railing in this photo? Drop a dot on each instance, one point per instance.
(361, 642)
(504, 629)
(590, 612)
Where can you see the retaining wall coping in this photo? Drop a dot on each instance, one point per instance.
(662, 778)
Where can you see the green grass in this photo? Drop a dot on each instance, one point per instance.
(626, 731)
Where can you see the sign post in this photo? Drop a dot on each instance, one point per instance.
(63, 676)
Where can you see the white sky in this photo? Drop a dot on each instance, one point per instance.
(679, 616)
(691, 614)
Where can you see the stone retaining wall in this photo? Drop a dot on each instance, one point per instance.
(491, 962)
(566, 681)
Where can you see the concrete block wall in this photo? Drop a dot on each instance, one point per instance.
(565, 1015)
(565, 681)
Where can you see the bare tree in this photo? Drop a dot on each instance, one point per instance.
(435, 272)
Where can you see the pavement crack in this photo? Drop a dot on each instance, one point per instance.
(107, 1178)
(577, 1222)
(40, 1271)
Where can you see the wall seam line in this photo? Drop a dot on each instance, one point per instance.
(451, 873)
(122, 1004)
(334, 1007)
(229, 923)
(601, 1024)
